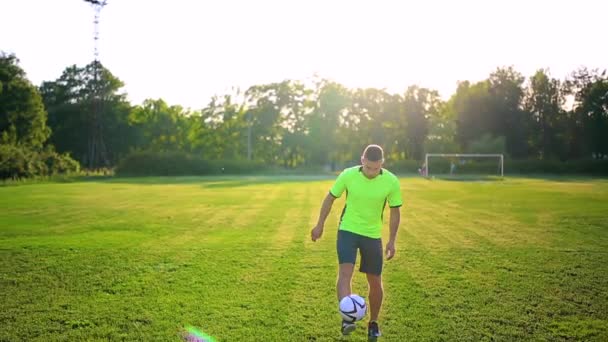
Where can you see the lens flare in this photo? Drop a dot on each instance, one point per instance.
(196, 335)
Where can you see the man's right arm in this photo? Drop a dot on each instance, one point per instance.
(325, 209)
(317, 231)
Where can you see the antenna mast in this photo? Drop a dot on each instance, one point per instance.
(97, 154)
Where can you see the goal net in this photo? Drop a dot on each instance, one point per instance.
(463, 165)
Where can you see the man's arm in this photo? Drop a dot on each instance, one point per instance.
(317, 231)
(394, 227)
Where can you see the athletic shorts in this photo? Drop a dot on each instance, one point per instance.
(371, 251)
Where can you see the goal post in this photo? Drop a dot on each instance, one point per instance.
(498, 156)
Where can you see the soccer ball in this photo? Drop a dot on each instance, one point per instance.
(352, 308)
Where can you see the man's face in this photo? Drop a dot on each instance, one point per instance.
(370, 168)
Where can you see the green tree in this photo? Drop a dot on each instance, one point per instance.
(376, 119)
(470, 106)
(23, 119)
(24, 151)
(596, 108)
(507, 117)
(331, 107)
(545, 101)
(420, 105)
(587, 127)
(72, 100)
(441, 137)
(160, 127)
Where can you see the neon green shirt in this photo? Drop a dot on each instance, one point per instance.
(366, 199)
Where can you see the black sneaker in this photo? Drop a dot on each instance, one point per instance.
(348, 327)
(373, 331)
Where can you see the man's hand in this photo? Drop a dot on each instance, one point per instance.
(316, 232)
(390, 250)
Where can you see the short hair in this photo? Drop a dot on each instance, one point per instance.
(373, 153)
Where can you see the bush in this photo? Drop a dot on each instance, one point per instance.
(491, 166)
(585, 166)
(238, 166)
(150, 163)
(403, 166)
(59, 163)
(487, 144)
(17, 162)
(13, 162)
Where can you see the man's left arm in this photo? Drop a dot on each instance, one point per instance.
(394, 227)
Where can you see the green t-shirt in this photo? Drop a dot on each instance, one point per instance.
(366, 199)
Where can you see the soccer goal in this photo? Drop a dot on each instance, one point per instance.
(463, 164)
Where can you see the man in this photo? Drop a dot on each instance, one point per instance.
(368, 188)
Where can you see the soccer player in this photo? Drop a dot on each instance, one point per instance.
(368, 189)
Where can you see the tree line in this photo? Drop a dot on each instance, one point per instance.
(295, 124)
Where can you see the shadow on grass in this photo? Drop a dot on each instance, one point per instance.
(467, 178)
(545, 177)
(223, 181)
(562, 178)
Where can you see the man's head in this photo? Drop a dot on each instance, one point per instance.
(372, 160)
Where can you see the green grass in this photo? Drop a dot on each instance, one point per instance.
(141, 259)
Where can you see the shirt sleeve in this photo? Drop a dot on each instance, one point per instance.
(394, 197)
(339, 186)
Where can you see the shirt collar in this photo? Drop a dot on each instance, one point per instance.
(361, 169)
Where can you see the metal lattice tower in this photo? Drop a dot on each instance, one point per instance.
(97, 154)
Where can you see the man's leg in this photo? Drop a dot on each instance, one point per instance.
(346, 246)
(347, 256)
(343, 287)
(371, 265)
(376, 293)
(345, 276)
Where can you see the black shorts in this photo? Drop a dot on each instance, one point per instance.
(370, 249)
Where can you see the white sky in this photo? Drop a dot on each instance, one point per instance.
(185, 51)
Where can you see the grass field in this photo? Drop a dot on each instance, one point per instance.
(139, 259)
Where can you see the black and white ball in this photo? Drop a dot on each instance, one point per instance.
(352, 308)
